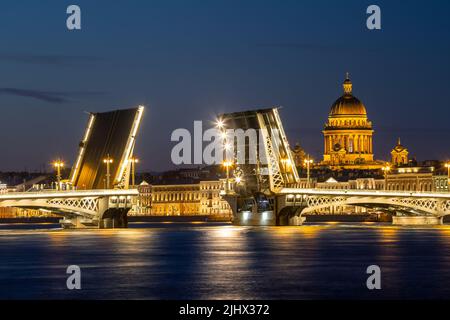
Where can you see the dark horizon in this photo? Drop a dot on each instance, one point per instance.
(192, 61)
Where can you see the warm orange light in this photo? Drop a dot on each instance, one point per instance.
(108, 160)
(58, 164)
(134, 160)
(227, 164)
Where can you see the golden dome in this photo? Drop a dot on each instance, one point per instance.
(348, 105)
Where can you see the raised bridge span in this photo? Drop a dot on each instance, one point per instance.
(99, 208)
(101, 195)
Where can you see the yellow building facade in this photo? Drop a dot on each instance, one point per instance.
(348, 134)
(182, 200)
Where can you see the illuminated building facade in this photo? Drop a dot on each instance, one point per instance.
(411, 179)
(348, 134)
(182, 200)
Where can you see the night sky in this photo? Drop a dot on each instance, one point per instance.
(190, 60)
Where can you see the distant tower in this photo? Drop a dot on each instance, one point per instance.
(298, 154)
(399, 154)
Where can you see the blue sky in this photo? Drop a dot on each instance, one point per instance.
(189, 60)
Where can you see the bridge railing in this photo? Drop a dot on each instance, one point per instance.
(368, 192)
(65, 193)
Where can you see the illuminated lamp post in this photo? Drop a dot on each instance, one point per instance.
(58, 164)
(108, 161)
(227, 164)
(220, 125)
(308, 162)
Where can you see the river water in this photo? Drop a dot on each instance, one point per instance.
(221, 261)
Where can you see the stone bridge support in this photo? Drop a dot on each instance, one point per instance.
(279, 215)
(416, 220)
(112, 213)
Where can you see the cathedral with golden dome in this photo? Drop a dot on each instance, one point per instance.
(348, 134)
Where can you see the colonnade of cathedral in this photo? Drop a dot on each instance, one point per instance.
(352, 143)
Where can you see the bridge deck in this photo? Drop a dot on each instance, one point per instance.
(69, 194)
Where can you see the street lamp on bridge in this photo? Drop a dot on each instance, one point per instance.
(58, 165)
(133, 162)
(308, 162)
(108, 161)
(386, 170)
(227, 164)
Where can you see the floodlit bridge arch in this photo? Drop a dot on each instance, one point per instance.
(85, 208)
(419, 203)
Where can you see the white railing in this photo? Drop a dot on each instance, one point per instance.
(355, 192)
(69, 193)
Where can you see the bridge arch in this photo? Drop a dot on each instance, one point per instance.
(86, 207)
(428, 206)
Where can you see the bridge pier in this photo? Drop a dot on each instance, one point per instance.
(78, 222)
(280, 215)
(111, 219)
(416, 220)
(114, 218)
(247, 218)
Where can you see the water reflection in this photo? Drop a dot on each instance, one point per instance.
(215, 261)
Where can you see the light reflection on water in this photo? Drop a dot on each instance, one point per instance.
(219, 261)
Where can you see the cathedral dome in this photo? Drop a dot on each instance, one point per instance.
(348, 105)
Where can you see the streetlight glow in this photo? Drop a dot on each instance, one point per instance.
(58, 164)
(308, 162)
(227, 164)
(108, 161)
(220, 124)
(133, 162)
